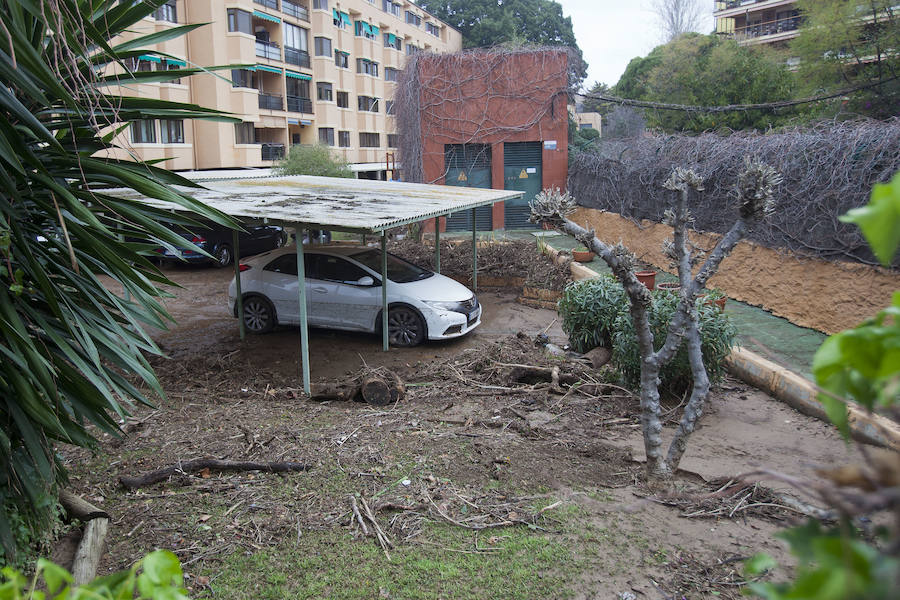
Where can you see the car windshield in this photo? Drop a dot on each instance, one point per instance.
(398, 270)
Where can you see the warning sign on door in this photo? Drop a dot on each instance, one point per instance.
(462, 176)
(523, 175)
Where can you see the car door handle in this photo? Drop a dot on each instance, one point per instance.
(320, 289)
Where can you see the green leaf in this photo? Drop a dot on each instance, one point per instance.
(879, 220)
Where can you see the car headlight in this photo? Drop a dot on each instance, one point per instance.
(460, 307)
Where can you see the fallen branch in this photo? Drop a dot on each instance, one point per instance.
(208, 463)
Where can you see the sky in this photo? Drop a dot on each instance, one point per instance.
(612, 32)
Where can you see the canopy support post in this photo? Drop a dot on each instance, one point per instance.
(437, 244)
(384, 302)
(304, 329)
(238, 297)
(474, 254)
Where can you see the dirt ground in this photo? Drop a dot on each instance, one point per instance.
(467, 448)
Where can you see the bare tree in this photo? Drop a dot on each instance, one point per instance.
(678, 16)
(754, 192)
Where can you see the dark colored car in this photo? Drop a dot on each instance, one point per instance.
(217, 241)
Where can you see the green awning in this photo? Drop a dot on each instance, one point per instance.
(342, 52)
(296, 75)
(176, 62)
(392, 39)
(341, 17)
(148, 57)
(268, 69)
(262, 15)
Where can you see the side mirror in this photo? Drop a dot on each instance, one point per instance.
(365, 281)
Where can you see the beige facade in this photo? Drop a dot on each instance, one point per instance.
(313, 70)
(753, 22)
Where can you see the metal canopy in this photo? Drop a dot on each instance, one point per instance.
(354, 205)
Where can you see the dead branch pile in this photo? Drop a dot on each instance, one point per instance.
(510, 259)
(828, 169)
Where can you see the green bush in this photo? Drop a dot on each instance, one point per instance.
(596, 312)
(313, 160)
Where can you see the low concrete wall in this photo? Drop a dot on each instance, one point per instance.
(827, 296)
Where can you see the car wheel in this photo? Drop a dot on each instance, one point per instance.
(259, 315)
(281, 239)
(223, 256)
(405, 327)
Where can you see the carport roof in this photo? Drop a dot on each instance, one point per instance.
(355, 205)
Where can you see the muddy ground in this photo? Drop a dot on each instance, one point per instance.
(466, 448)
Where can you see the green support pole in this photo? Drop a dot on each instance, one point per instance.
(304, 330)
(237, 283)
(474, 254)
(437, 244)
(384, 302)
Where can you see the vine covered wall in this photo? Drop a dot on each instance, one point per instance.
(828, 169)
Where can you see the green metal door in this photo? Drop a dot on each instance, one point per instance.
(468, 165)
(522, 173)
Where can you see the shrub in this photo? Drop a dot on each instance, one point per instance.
(596, 312)
(313, 160)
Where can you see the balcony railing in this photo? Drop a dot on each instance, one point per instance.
(299, 105)
(268, 50)
(769, 28)
(271, 102)
(296, 57)
(272, 151)
(734, 3)
(273, 4)
(297, 11)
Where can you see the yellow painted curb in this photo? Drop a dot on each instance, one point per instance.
(794, 390)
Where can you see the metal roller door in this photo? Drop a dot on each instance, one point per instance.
(521, 172)
(468, 165)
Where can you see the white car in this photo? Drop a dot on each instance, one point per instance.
(343, 291)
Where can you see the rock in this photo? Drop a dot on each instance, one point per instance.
(538, 418)
(599, 356)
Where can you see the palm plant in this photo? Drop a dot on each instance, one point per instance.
(73, 350)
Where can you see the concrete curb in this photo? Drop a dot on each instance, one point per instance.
(794, 390)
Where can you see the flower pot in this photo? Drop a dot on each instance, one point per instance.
(673, 287)
(582, 255)
(648, 278)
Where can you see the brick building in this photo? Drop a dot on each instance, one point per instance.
(487, 118)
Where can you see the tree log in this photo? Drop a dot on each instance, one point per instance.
(90, 550)
(77, 507)
(378, 387)
(532, 374)
(342, 390)
(208, 463)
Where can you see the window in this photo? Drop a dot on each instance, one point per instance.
(243, 78)
(411, 49)
(366, 66)
(333, 268)
(323, 92)
(367, 104)
(343, 100)
(391, 74)
(244, 133)
(392, 41)
(392, 140)
(585, 126)
(341, 59)
(388, 107)
(143, 132)
(323, 46)
(340, 19)
(299, 88)
(433, 29)
(369, 140)
(295, 10)
(320, 4)
(391, 7)
(370, 32)
(413, 19)
(171, 132)
(295, 37)
(171, 65)
(326, 135)
(166, 12)
(344, 139)
(239, 20)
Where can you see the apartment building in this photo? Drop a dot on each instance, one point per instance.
(757, 21)
(307, 71)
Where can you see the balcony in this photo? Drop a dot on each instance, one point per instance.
(296, 57)
(269, 50)
(299, 105)
(271, 102)
(273, 4)
(758, 30)
(295, 10)
(272, 151)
